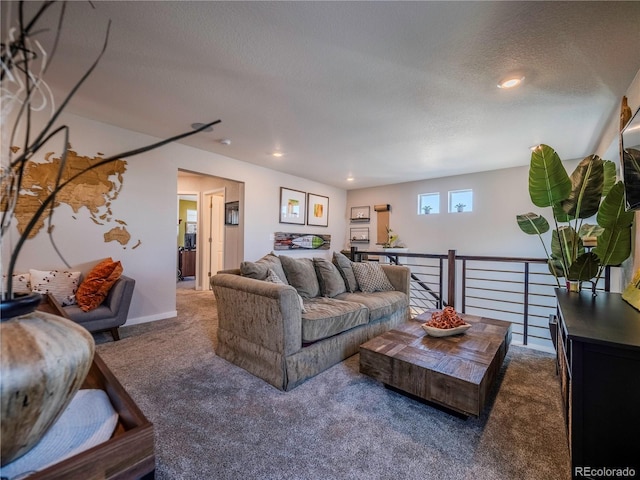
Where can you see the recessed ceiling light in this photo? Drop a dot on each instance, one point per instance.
(277, 154)
(225, 141)
(349, 179)
(511, 82)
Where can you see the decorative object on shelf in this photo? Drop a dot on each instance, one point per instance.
(301, 241)
(45, 359)
(360, 214)
(460, 207)
(292, 206)
(232, 213)
(574, 199)
(631, 294)
(359, 235)
(392, 239)
(57, 351)
(318, 210)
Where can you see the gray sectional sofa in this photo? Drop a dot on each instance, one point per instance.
(286, 319)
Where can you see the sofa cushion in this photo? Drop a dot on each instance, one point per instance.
(95, 287)
(380, 304)
(371, 277)
(301, 275)
(345, 269)
(260, 268)
(21, 283)
(326, 317)
(274, 278)
(61, 284)
(329, 278)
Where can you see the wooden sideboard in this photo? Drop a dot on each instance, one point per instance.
(129, 453)
(598, 354)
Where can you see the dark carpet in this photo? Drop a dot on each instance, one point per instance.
(213, 420)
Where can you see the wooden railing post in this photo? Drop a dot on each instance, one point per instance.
(451, 283)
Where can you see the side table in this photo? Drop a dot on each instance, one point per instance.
(129, 453)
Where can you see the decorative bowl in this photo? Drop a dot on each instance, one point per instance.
(445, 332)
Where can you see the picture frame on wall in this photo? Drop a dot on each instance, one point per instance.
(293, 206)
(317, 210)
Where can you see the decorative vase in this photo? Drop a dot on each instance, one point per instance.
(45, 359)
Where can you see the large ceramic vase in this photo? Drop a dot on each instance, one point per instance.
(45, 359)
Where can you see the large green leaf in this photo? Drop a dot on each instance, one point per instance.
(588, 230)
(565, 247)
(612, 212)
(614, 246)
(587, 181)
(609, 176)
(585, 267)
(549, 182)
(532, 223)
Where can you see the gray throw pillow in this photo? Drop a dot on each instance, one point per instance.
(371, 277)
(259, 269)
(273, 278)
(344, 267)
(331, 282)
(301, 275)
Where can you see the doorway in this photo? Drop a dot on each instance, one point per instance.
(219, 244)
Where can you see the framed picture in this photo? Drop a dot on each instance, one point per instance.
(359, 235)
(232, 213)
(292, 206)
(360, 214)
(318, 210)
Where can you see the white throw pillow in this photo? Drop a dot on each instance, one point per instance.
(371, 277)
(21, 283)
(273, 277)
(61, 284)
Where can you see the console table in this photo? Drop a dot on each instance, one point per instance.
(598, 354)
(129, 453)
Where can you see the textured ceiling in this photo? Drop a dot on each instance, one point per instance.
(386, 92)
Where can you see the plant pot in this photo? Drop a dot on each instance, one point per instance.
(574, 285)
(45, 359)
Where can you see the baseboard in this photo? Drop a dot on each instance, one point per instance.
(151, 318)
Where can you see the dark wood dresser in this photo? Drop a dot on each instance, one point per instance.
(598, 353)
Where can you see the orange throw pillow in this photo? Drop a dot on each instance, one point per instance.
(94, 289)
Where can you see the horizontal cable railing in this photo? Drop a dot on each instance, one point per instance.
(514, 289)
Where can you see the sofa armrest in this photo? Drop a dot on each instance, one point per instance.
(264, 313)
(119, 297)
(399, 276)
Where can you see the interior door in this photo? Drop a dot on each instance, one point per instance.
(213, 236)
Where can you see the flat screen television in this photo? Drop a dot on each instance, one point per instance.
(189, 241)
(630, 162)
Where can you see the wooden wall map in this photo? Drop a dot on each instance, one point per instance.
(95, 190)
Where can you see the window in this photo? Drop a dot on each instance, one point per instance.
(428, 203)
(461, 201)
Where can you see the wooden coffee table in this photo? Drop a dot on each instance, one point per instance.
(456, 372)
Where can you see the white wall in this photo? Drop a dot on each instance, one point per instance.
(147, 203)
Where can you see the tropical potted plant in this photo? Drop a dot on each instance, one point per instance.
(590, 190)
(427, 209)
(460, 207)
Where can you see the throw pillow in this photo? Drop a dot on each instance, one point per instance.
(21, 283)
(95, 288)
(259, 268)
(61, 284)
(344, 267)
(331, 282)
(273, 278)
(371, 277)
(301, 275)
